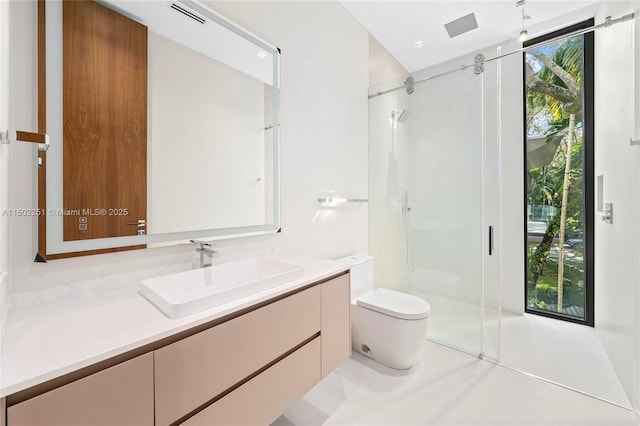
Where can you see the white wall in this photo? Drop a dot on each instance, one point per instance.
(382, 66)
(617, 245)
(324, 81)
(206, 150)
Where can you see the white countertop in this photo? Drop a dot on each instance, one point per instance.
(43, 347)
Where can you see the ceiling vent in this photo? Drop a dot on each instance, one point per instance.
(186, 12)
(461, 25)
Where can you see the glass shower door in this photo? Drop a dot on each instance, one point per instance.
(443, 211)
(433, 196)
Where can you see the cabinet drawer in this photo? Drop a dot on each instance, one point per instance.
(265, 397)
(120, 395)
(194, 370)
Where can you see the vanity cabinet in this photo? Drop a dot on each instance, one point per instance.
(192, 371)
(246, 368)
(120, 395)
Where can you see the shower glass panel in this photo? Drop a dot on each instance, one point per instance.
(429, 226)
(444, 215)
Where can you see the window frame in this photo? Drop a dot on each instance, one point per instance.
(588, 171)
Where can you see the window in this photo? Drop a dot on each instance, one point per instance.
(558, 116)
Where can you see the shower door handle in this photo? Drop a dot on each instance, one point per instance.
(490, 240)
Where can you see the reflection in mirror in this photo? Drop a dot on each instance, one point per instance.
(161, 117)
(209, 142)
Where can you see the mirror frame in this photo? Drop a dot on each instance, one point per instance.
(51, 244)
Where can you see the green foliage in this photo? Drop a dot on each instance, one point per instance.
(546, 290)
(568, 55)
(547, 116)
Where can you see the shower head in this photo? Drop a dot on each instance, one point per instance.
(400, 116)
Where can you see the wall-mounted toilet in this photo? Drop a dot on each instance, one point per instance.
(386, 326)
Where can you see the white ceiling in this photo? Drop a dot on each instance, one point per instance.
(399, 24)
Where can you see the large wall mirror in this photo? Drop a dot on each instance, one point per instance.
(163, 119)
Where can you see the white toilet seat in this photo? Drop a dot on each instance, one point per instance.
(387, 326)
(395, 304)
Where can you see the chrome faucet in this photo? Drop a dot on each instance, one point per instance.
(205, 249)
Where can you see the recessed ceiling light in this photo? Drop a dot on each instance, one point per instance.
(419, 44)
(262, 54)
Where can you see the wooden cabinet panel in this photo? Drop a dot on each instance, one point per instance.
(265, 397)
(194, 370)
(336, 326)
(120, 395)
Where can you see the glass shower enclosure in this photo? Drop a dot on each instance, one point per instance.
(433, 197)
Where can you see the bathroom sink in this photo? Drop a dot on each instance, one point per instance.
(185, 293)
